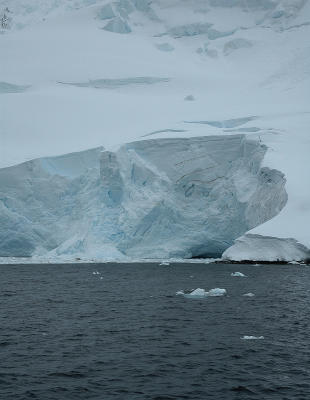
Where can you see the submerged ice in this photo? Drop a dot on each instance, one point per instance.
(158, 198)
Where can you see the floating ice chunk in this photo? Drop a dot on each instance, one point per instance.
(96, 273)
(201, 293)
(237, 274)
(216, 292)
(164, 263)
(196, 293)
(252, 337)
(249, 295)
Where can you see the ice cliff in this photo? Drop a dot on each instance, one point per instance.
(150, 199)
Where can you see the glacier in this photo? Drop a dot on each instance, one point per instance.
(159, 198)
(197, 114)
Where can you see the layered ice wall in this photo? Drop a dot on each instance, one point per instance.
(150, 199)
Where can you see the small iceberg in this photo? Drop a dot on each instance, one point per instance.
(216, 292)
(237, 274)
(252, 337)
(202, 293)
(96, 273)
(164, 263)
(249, 295)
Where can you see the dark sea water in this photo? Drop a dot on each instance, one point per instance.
(68, 334)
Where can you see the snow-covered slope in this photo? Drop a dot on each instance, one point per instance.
(84, 73)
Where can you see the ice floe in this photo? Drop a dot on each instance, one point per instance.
(249, 295)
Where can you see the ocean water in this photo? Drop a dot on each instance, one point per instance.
(122, 333)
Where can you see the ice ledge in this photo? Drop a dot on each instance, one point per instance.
(250, 247)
